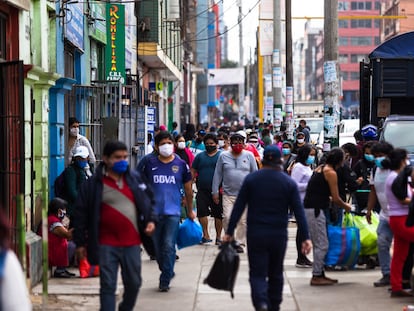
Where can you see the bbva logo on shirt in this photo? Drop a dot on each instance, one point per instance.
(162, 179)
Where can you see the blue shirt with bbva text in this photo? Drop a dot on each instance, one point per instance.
(167, 180)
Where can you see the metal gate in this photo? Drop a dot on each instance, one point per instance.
(12, 140)
(110, 109)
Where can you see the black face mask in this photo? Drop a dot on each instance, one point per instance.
(211, 149)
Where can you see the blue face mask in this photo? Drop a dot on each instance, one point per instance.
(120, 166)
(286, 151)
(310, 160)
(369, 157)
(378, 161)
(82, 164)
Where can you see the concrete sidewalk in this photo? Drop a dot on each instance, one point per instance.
(188, 293)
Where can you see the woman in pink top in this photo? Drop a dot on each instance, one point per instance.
(398, 211)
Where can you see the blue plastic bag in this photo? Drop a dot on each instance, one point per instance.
(344, 244)
(189, 233)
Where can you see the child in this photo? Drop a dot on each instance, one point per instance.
(58, 236)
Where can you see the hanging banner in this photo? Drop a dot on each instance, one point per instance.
(115, 48)
(97, 26)
(74, 28)
(266, 37)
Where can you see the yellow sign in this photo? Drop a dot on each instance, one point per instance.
(159, 86)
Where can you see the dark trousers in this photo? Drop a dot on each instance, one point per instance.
(266, 253)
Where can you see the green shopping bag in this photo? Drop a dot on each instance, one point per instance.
(367, 233)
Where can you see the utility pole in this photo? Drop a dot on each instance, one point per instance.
(276, 63)
(330, 70)
(289, 70)
(240, 18)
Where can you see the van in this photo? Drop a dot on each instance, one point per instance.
(397, 130)
(347, 128)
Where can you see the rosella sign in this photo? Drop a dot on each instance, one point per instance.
(115, 43)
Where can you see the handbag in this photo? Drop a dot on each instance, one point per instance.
(367, 233)
(344, 243)
(190, 233)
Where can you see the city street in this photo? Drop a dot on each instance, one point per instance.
(354, 291)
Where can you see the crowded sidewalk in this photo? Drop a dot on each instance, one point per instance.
(353, 292)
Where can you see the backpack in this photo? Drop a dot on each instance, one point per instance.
(59, 185)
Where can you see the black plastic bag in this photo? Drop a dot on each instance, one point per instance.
(224, 270)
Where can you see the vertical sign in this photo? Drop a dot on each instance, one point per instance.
(115, 47)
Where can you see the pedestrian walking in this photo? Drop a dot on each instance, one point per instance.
(322, 187)
(231, 169)
(378, 201)
(113, 210)
(168, 175)
(203, 171)
(301, 174)
(398, 212)
(267, 194)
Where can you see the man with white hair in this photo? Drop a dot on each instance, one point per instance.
(231, 169)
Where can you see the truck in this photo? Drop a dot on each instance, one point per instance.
(387, 91)
(387, 80)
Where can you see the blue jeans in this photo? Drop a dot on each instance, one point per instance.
(384, 240)
(165, 238)
(129, 258)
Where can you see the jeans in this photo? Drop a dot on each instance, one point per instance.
(129, 258)
(165, 238)
(384, 240)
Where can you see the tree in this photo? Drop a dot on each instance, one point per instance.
(229, 64)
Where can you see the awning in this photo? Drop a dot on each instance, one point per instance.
(21, 4)
(401, 46)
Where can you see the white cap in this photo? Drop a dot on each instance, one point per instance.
(82, 152)
(242, 133)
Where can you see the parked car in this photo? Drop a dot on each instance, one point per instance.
(397, 130)
(347, 128)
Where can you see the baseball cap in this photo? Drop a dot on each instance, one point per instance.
(163, 127)
(369, 131)
(82, 152)
(253, 137)
(271, 153)
(242, 134)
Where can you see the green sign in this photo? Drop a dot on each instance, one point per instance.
(159, 86)
(115, 43)
(97, 22)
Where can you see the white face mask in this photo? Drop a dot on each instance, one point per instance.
(221, 143)
(181, 145)
(300, 140)
(166, 150)
(74, 131)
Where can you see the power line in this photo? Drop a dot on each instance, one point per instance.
(204, 39)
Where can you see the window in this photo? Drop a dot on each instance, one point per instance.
(343, 58)
(368, 5)
(69, 61)
(377, 41)
(360, 41)
(354, 75)
(354, 5)
(377, 23)
(344, 75)
(342, 24)
(377, 5)
(361, 5)
(356, 58)
(343, 6)
(3, 20)
(343, 41)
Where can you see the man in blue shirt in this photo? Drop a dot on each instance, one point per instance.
(268, 194)
(168, 174)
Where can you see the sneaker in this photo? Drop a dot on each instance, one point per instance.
(163, 289)
(204, 240)
(320, 281)
(218, 242)
(61, 274)
(384, 281)
(303, 263)
(73, 274)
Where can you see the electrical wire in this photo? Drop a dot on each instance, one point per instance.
(203, 39)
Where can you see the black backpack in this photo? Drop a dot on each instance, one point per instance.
(59, 185)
